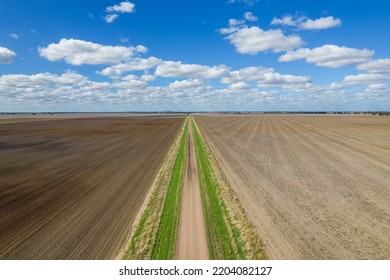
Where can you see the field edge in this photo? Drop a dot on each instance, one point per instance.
(145, 237)
(230, 233)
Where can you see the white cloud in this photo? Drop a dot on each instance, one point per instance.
(6, 56)
(131, 92)
(252, 40)
(14, 35)
(141, 49)
(305, 23)
(375, 66)
(123, 7)
(286, 20)
(273, 78)
(363, 79)
(176, 69)
(300, 87)
(329, 56)
(186, 84)
(377, 87)
(45, 89)
(233, 22)
(246, 74)
(42, 79)
(111, 17)
(239, 86)
(148, 78)
(263, 76)
(321, 23)
(250, 17)
(78, 52)
(229, 30)
(135, 64)
(130, 81)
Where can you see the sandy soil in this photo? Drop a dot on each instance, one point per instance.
(192, 242)
(70, 189)
(315, 187)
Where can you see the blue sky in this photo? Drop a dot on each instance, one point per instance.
(194, 55)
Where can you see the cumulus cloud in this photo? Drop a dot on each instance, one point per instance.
(286, 20)
(377, 87)
(186, 84)
(239, 86)
(250, 17)
(329, 56)
(252, 40)
(373, 81)
(363, 79)
(304, 23)
(321, 23)
(130, 81)
(45, 88)
(135, 64)
(42, 79)
(111, 17)
(375, 66)
(6, 56)
(233, 22)
(132, 92)
(123, 7)
(263, 76)
(176, 69)
(273, 78)
(78, 52)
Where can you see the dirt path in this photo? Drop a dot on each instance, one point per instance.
(192, 242)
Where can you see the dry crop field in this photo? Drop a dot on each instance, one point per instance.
(70, 188)
(315, 186)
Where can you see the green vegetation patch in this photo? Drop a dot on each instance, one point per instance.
(230, 235)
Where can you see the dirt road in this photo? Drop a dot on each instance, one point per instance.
(70, 189)
(192, 242)
(316, 187)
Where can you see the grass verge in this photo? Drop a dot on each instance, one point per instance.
(156, 232)
(230, 235)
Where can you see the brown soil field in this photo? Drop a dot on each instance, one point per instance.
(71, 188)
(314, 186)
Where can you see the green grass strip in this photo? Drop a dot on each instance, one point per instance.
(220, 242)
(165, 245)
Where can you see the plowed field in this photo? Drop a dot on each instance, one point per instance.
(315, 187)
(71, 188)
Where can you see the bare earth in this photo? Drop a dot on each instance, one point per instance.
(192, 242)
(71, 188)
(316, 187)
